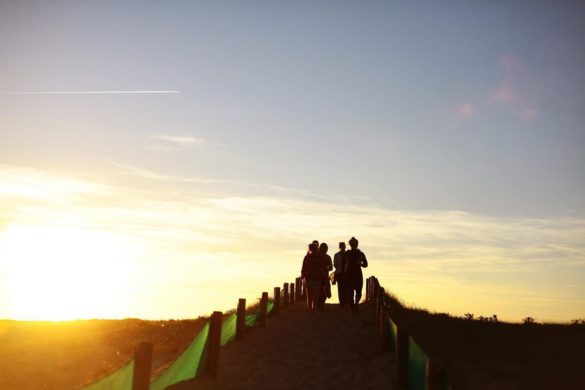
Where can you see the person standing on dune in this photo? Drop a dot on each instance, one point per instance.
(312, 274)
(356, 259)
(339, 261)
(327, 266)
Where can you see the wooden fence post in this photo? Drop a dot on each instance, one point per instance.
(276, 301)
(214, 343)
(401, 356)
(241, 319)
(292, 294)
(142, 366)
(263, 309)
(435, 374)
(285, 300)
(368, 288)
(378, 302)
(383, 330)
(299, 290)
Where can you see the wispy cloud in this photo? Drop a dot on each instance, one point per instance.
(465, 110)
(105, 92)
(518, 88)
(182, 140)
(490, 264)
(170, 142)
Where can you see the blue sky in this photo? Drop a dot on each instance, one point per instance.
(449, 110)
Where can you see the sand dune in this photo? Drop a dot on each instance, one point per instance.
(300, 350)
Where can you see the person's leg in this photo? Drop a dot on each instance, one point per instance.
(316, 297)
(350, 292)
(358, 290)
(309, 294)
(343, 292)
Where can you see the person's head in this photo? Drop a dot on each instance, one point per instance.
(342, 245)
(353, 243)
(316, 242)
(313, 247)
(323, 248)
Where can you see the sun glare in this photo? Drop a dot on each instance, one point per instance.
(55, 273)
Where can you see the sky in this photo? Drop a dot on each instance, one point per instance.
(163, 159)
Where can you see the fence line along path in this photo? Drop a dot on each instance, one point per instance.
(301, 350)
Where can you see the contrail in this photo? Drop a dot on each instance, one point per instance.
(83, 92)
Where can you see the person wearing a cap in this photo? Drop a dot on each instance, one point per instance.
(354, 279)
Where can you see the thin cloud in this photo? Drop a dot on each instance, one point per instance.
(113, 92)
(180, 140)
(465, 110)
(260, 239)
(138, 171)
(517, 88)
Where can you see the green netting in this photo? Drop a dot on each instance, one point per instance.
(393, 333)
(228, 328)
(417, 361)
(270, 307)
(121, 379)
(252, 318)
(190, 364)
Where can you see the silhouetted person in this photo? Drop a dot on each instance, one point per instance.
(328, 266)
(353, 271)
(312, 274)
(316, 243)
(339, 261)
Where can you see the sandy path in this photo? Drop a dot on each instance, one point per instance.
(299, 350)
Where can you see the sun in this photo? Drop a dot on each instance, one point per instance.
(59, 273)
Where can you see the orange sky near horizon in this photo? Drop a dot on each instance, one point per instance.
(73, 248)
(163, 159)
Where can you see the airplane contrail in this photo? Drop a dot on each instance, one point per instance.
(83, 92)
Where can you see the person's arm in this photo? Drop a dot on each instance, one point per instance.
(329, 263)
(304, 267)
(364, 260)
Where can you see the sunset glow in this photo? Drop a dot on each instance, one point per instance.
(57, 273)
(164, 163)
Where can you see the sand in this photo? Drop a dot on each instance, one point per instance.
(301, 350)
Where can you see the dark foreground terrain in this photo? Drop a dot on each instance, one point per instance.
(300, 350)
(497, 355)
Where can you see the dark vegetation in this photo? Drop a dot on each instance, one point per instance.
(485, 353)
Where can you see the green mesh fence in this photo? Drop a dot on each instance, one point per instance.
(121, 379)
(270, 307)
(191, 363)
(252, 318)
(393, 332)
(228, 328)
(417, 361)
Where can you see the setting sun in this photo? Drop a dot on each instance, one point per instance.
(56, 273)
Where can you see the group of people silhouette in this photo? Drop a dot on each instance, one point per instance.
(347, 275)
